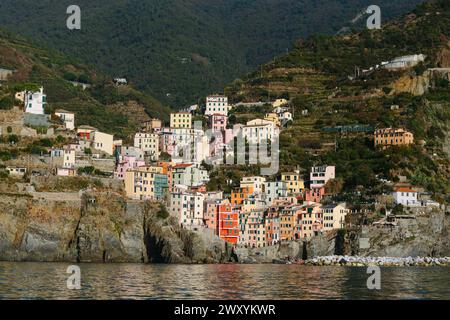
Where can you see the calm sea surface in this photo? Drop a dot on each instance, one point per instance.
(197, 282)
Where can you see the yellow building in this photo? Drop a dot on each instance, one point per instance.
(393, 137)
(273, 117)
(294, 182)
(146, 183)
(181, 120)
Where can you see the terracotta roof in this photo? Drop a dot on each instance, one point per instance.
(404, 189)
(182, 165)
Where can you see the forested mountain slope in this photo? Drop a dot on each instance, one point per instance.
(180, 50)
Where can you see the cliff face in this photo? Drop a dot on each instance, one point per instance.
(97, 227)
(426, 235)
(419, 85)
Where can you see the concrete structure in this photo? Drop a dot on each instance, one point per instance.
(217, 104)
(35, 102)
(404, 62)
(181, 120)
(321, 175)
(393, 137)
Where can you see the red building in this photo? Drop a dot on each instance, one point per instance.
(228, 222)
(313, 195)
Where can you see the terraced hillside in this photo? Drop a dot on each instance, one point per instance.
(103, 105)
(318, 77)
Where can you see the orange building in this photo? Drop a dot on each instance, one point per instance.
(393, 137)
(228, 222)
(239, 195)
(287, 224)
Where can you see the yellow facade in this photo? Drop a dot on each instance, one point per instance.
(181, 120)
(393, 137)
(273, 117)
(139, 183)
(294, 183)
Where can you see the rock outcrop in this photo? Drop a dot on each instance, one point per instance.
(419, 85)
(98, 227)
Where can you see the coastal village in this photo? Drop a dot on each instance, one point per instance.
(171, 164)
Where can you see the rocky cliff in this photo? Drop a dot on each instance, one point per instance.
(419, 85)
(97, 227)
(421, 235)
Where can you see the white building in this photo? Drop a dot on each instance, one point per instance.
(149, 143)
(104, 142)
(69, 158)
(16, 171)
(285, 117)
(67, 117)
(34, 102)
(405, 196)
(321, 175)
(275, 190)
(258, 131)
(189, 175)
(334, 216)
(188, 208)
(404, 62)
(217, 104)
(189, 145)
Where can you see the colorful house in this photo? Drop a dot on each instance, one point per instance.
(127, 163)
(228, 222)
(294, 182)
(393, 137)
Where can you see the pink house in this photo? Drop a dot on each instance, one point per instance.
(314, 195)
(127, 163)
(219, 122)
(211, 215)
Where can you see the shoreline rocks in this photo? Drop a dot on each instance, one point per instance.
(356, 261)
